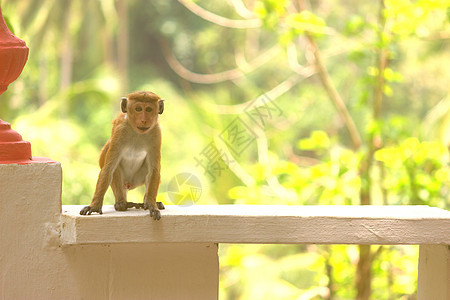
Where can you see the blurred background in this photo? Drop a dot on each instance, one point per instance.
(267, 102)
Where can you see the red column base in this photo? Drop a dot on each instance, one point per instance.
(14, 150)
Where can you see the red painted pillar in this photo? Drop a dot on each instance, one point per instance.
(12, 147)
(13, 55)
(14, 150)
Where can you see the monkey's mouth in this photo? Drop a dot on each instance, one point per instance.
(143, 129)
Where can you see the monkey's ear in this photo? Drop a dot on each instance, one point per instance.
(123, 104)
(161, 106)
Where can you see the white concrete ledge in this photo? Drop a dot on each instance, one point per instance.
(386, 225)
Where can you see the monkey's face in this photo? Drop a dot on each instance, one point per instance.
(142, 116)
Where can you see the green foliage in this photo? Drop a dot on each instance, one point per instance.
(398, 260)
(412, 17)
(270, 11)
(281, 275)
(305, 21)
(56, 131)
(276, 16)
(416, 172)
(318, 140)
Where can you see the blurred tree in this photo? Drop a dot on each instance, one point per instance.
(340, 102)
(292, 20)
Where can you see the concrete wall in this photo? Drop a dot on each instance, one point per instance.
(434, 272)
(34, 265)
(94, 258)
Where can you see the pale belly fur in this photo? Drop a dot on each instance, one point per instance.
(134, 167)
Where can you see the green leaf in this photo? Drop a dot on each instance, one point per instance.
(317, 141)
(307, 21)
(355, 25)
(260, 10)
(390, 156)
(387, 90)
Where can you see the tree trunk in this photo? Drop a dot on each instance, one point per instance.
(123, 45)
(66, 50)
(363, 273)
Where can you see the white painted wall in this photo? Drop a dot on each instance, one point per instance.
(33, 264)
(47, 252)
(434, 272)
(271, 224)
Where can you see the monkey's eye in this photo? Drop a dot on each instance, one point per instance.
(148, 109)
(138, 108)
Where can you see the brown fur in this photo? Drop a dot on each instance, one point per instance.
(132, 156)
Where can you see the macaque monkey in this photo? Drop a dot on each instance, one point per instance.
(132, 155)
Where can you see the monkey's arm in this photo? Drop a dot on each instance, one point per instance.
(112, 160)
(154, 177)
(151, 193)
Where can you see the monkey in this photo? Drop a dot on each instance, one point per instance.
(132, 155)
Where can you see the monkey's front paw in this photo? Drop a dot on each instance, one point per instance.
(87, 210)
(154, 213)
